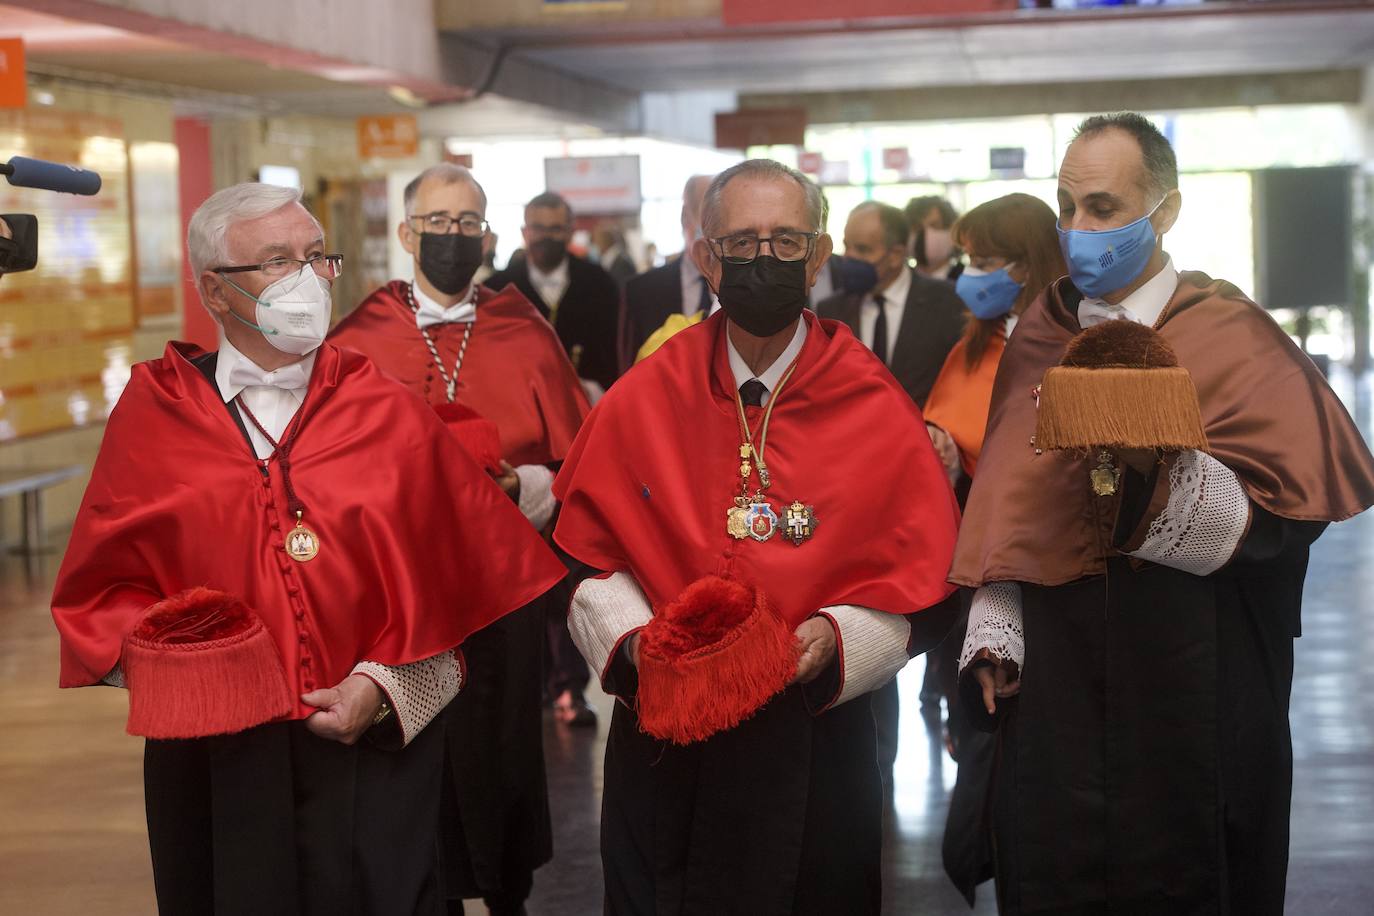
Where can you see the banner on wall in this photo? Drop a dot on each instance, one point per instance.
(13, 82)
(388, 137)
(596, 185)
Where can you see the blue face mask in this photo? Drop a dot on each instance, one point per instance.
(1103, 262)
(987, 295)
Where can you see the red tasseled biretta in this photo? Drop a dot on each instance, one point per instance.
(710, 660)
(478, 435)
(201, 663)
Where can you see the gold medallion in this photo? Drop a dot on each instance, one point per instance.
(736, 522)
(800, 523)
(302, 544)
(1105, 476)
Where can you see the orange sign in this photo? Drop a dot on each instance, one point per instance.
(13, 87)
(388, 137)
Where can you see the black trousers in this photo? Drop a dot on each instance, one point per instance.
(275, 820)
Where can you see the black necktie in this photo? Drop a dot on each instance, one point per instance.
(751, 393)
(880, 331)
(704, 300)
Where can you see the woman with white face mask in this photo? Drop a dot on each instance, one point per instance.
(933, 248)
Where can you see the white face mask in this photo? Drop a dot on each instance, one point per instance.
(939, 247)
(293, 313)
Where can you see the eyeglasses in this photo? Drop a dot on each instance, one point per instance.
(785, 246)
(328, 266)
(440, 223)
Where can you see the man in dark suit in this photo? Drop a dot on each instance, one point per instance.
(909, 321)
(579, 299)
(675, 288)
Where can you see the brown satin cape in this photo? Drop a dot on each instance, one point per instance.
(515, 372)
(1270, 417)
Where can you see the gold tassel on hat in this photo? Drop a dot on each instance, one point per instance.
(1119, 386)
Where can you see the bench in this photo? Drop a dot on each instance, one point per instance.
(29, 484)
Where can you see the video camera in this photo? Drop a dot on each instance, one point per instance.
(20, 252)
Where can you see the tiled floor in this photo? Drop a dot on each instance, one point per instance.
(71, 821)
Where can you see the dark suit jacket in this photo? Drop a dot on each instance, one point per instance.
(588, 316)
(649, 299)
(932, 324)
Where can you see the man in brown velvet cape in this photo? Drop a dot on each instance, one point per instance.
(1135, 650)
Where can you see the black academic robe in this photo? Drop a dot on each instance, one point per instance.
(587, 318)
(932, 323)
(745, 823)
(1156, 715)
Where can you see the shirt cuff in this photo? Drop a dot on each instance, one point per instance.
(418, 691)
(994, 625)
(604, 613)
(871, 647)
(536, 494)
(1197, 517)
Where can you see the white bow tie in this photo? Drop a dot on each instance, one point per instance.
(428, 315)
(1094, 312)
(294, 377)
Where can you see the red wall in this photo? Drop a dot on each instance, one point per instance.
(197, 183)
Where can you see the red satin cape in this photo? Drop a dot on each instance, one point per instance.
(515, 373)
(646, 486)
(406, 520)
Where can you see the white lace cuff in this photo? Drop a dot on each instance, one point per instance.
(536, 494)
(994, 623)
(871, 647)
(603, 613)
(418, 691)
(115, 678)
(1204, 521)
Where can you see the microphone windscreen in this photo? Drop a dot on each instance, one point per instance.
(52, 176)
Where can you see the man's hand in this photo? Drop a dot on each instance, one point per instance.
(946, 451)
(509, 481)
(817, 637)
(5, 230)
(345, 711)
(998, 682)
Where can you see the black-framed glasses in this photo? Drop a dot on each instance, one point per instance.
(441, 223)
(329, 266)
(785, 246)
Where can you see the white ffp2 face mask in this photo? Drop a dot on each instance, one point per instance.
(293, 312)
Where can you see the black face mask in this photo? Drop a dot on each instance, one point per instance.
(548, 251)
(448, 261)
(763, 296)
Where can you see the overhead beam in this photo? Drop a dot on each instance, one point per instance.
(962, 102)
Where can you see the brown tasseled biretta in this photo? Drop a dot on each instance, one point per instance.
(1119, 385)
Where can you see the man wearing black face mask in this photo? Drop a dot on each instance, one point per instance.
(463, 348)
(910, 321)
(761, 473)
(578, 298)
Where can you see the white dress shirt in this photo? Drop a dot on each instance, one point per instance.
(691, 286)
(1144, 306)
(773, 374)
(894, 304)
(430, 313)
(273, 396)
(552, 285)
